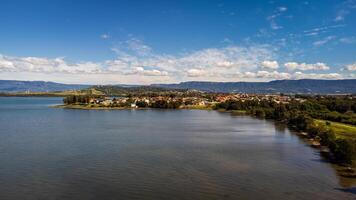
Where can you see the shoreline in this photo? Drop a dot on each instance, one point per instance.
(82, 107)
(85, 107)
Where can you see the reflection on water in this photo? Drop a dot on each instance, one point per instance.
(48, 153)
(345, 182)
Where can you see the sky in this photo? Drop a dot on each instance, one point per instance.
(160, 41)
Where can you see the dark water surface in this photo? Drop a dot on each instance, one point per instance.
(48, 153)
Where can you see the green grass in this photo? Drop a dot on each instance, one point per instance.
(198, 107)
(239, 112)
(341, 130)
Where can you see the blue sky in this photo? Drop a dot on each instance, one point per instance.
(144, 42)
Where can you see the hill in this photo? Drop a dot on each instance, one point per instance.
(10, 86)
(303, 86)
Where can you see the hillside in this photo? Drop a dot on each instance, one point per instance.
(305, 86)
(7, 86)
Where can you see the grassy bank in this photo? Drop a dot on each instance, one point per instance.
(197, 107)
(341, 130)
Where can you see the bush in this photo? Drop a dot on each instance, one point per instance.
(300, 121)
(343, 150)
(260, 113)
(141, 104)
(327, 136)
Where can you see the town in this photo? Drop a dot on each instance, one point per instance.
(176, 101)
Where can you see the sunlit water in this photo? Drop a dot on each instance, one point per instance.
(49, 153)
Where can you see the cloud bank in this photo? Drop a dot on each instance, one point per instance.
(137, 63)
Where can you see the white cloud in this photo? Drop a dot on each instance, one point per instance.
(6, 65)
(323, 29)
(341, 14)
(304, 66)
(226, 64)
(45, 65)
(312, 34)
(196, 73)
(282, 9)
(137, 59)
(138, 46)
(351, 67)
(137, 62)
(265, 75)
(247, 75)
(205, 62)
(339, 18)
(272, 18)
(275, 26)
(345, 9)
(301, 75)
(324, 41)
(269, 64)
(228, 57)
(148, 72)
(105, 36)
(348, 40)
(273, 75)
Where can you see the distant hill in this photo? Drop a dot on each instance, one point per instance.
(36, 86)
(303, 86)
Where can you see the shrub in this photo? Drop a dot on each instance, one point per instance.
(343, 150)
(141, 104)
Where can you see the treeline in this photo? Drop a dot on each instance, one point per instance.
(166, 104)
(340, 104)
(78, 99)
(337, 109)
(300, 115)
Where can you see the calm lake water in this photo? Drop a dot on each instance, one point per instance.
(49, 153)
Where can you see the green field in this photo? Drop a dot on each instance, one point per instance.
(341, 130)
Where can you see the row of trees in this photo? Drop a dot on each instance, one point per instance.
(300, 117)
(74, 99)
(340, 104)
(315, 107)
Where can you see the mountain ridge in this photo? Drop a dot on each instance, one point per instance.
(301, 86)
(304, 86)
(37, 86)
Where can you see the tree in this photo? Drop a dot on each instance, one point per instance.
(343, 150)
(141, 104)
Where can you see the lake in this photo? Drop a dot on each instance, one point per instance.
(52, 153)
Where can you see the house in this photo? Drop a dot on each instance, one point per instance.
(92, 100)
(107, 102)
